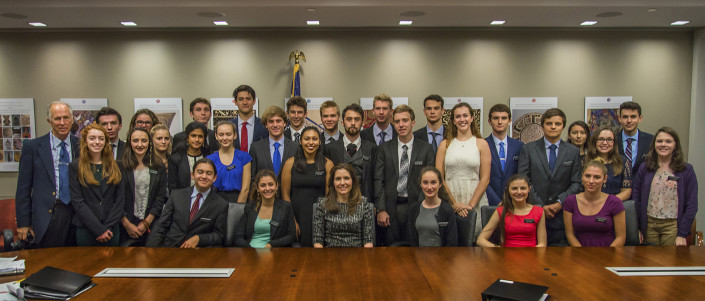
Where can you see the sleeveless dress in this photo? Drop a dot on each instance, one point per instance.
(462, 168)
(306, 188)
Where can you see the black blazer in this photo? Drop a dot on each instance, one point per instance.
(282, 229)
(157, 193)
(120, 149)
(447, 225)
(179, 175)
(363, 161)
(262, 157)
(173, 227)
(259, 132)
(213, 145)
(368, 134)
(645, 141)
(98, 207)
(422, 134)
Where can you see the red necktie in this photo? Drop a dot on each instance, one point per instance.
(194, 207)
(243, 137)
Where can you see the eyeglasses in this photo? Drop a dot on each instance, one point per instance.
(603, 140)
(140, 122)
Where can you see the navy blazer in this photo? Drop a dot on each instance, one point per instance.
(259, 132)
(179, 175)
(36, 184)
(156, 197)
(645, 141)
(98, 207)
(499, 177)
(282, 229)
(447, 224)
(368, 134)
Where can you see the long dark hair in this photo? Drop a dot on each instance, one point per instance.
(129, 160)
(508, 203)
(585, 127)
(442, 194)
(453, 130)
(300, 157)
(254, 193)
(677, 162)
(182, 146)
(330, 202)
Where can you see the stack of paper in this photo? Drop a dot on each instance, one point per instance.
(10, 266)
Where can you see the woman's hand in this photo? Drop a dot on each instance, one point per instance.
(462, 209)
(681, 242)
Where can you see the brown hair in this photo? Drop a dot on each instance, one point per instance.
(111, 171)
(272, 111)
(453, 130)
(254, 193)
(385, 98)
(149, 112)
(442, 194)
(161, 127)
(330, 104)
(129, 160)
(402, 109)
(297, 101)
(613, 156)
(508, 203)
(330, 202)
(677, 162)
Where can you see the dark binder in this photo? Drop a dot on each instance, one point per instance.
(55, 284)
(517, 291)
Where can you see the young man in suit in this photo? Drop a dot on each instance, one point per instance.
(271, 153)
(434, 130)
(631, 142)
(504, 150)
(111, 120)
(353, 150)
(330, 117)
(249, 126)
(194, 216)
(297, 110)
(200, 111)
(397, 172)
(42, 200)
(381, 131)
(554, 168)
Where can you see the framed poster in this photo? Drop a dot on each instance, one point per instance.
(224, 108)
(313, 109)
(367, 104)
(168, 111)
(526, 116)
(84, 111)
(603, 110)
(17, 119)
(474, 102)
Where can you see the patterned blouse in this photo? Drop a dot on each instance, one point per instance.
(342, 230)
(663, 197)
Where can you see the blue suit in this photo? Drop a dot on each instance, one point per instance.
(258, 133)
(499, 177)
(36, 184)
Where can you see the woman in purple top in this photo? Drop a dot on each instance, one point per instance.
(593, 218)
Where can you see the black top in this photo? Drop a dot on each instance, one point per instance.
(306, 188)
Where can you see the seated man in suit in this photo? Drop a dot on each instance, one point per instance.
(397, 172)
(195, 216)
(297, 110)
(249, 126)
(381, 131)
(554, 168)
(434, 130)
(271, 153)
(631, 142)
(504, 150)
(330, 117)
(200, 110)
(111, 120)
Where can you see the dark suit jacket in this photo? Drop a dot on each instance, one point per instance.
(363, 161)
(499, 177)
(120, 150)
(447, 225)
(36, 184)
(98, 207)
(213, 145)
(157, 193)
(282, 229)
(645, 141)
(387, 173)
(259, 132)
(173, 227)
(262, 157)
(179, 175)
(368, 134)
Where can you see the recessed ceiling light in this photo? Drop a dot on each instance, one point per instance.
(128, 23)
(38, 24)
(313, 22)
(497, 22)
(588, 23)
(405, 22)
(680, 23)
(651, 10)
(220, 23)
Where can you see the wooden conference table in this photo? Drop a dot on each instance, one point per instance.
(377, 274)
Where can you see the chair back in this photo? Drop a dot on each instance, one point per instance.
(486, 212)
(632, 238)
(466, 229)
(7, 221)
(235, 212)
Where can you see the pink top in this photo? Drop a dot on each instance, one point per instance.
(520, 230)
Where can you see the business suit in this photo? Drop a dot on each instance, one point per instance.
(36, 193)
(499, 176)
(368, 134)
(173, 227)
(259, 132)
(644, 144)
(387, 177)
(363, 161)
(422, 134)
(99, 207)
(287, 133)
(179, 175)
(447, 225)
(155, 200)
(322, 137)
(120, 150)
(548, 187)
(282, 229)
(262, 156)
(213, 146)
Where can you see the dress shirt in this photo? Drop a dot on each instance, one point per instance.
(547, 144)
(281, 149)
(400, 151)
(56, 154)
(250, 129)
(635, 144)
(357, 141)
(326, 136)
(293, 133)
(506, 145)
(439, 137)
(114, 145)
(195, 193)
(389, 130)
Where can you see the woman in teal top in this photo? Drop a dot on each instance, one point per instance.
(267, 221)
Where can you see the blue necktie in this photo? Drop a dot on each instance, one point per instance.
(502, 155)
(552, 157)
(277, 158)
(64, 160)
(382, 135)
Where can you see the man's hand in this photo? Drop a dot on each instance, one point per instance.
(191, 242)
(23, 231)
(383, 218)
(105, 237)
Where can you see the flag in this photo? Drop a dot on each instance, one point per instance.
(296, 82)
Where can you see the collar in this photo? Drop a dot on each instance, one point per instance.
(326, 136)
(625, 137)
(439, 131)
(497, 140)
(240, 121)
(56, 142)
(409, 144)
(346, 141)
(195, 192)
(377, 130)
(271, 141)
(546, 143)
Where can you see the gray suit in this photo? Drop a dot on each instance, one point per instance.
(547, 187)
(363, 161)
(262, 156)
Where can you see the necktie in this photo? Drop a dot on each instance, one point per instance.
(382, 135)
(243, 137)
(276, 159)
(194, 207)
(552, 157)
(403, 172)
(114, 151)
(502, 155)
(352, 149)
(330, 139)
(628, 152)
(64, 160)
(433, 141)
(297, 137)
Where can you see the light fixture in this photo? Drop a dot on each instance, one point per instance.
(37, 24)
(588, 23)
(128, 23)
(678, 23)
(221, 23)
(497, 22)
(405, 22)
(313, 22)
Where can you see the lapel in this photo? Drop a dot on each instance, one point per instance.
(184, 169)
(394, 148)
(152, 182)
(237, 128)
(276, 218)
(74, 147)
(289, 149)
(541, 153)
(643, 146)
(414, 156)
(44, 149)
(131, 179)
(560, 158)
(495, 155)
(268, 153)
(620, 145)
(98, 190)
(204, 207)
(251, 218)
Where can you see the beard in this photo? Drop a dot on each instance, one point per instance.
(352, 131)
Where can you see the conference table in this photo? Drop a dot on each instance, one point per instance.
(377, 274)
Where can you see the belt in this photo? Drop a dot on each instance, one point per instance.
(401, 200)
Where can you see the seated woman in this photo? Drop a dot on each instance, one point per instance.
(593, 218)
(343, 218)
(267, 221)
(520, 223)
(185, 154)
(432, 221)
(97, 192)
(578, 135)
(233, 165)
(601, 146)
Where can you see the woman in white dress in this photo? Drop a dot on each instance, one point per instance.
(464, 158)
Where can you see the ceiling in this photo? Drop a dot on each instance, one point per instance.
(181, 14)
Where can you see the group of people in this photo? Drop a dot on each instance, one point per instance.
(380, 186)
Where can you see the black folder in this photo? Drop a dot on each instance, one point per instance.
(55, 284)
(513, 290)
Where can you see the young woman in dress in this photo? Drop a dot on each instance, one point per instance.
(267, 221)
(665, 192)
(343, 218)
(520, 223)
(432, 222)
(233, 165)
(97, 192)
(594, 218)
(304, 180)
(185, 154)
(161, 139)
(465, 160)
(578, 135)
(601, 146)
